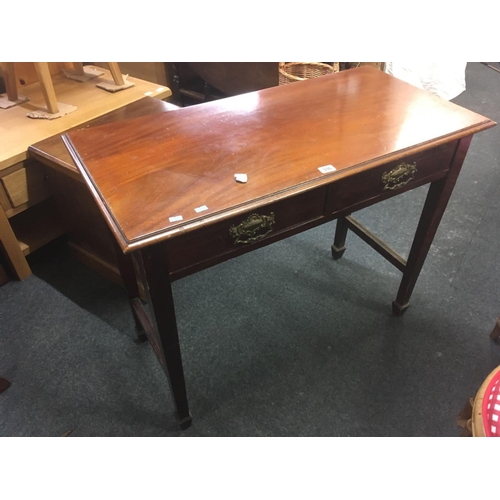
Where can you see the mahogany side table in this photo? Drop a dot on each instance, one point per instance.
(313, 152)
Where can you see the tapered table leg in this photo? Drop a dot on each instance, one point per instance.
(129, 278)
(338, 247)
(433, 210)
(163, 335)
(495, 333)
(4, 384)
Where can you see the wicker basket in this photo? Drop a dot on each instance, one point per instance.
(299, 71)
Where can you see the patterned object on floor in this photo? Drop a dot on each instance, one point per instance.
(491, 407)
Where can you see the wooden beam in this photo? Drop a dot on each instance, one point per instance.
(376, 243)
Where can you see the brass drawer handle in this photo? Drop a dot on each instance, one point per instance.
(253, 229)
(399, 176)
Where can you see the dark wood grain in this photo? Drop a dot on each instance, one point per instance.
(144, 171)
(212, 243)
(80, 215)
(353, 192)
(52, 151)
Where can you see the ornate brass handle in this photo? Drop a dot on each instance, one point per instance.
(399, 176)
(253, 229)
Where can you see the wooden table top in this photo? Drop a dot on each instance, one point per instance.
(148, 172)
(53, 152)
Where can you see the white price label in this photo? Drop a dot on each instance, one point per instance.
(327, 169)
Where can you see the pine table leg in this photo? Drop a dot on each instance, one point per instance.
(116, 73)
(45, 79)
(9, 76)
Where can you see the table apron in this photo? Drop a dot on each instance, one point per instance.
(207, 246)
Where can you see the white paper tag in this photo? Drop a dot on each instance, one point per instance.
(327, 169)
(241, 177)
(177, 218)
(201, 209)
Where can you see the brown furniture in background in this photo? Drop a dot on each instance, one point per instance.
(195, 82)
(234, 78)
(314, 151)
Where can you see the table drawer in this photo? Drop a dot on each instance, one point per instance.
(243, 232)
(387, 180)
